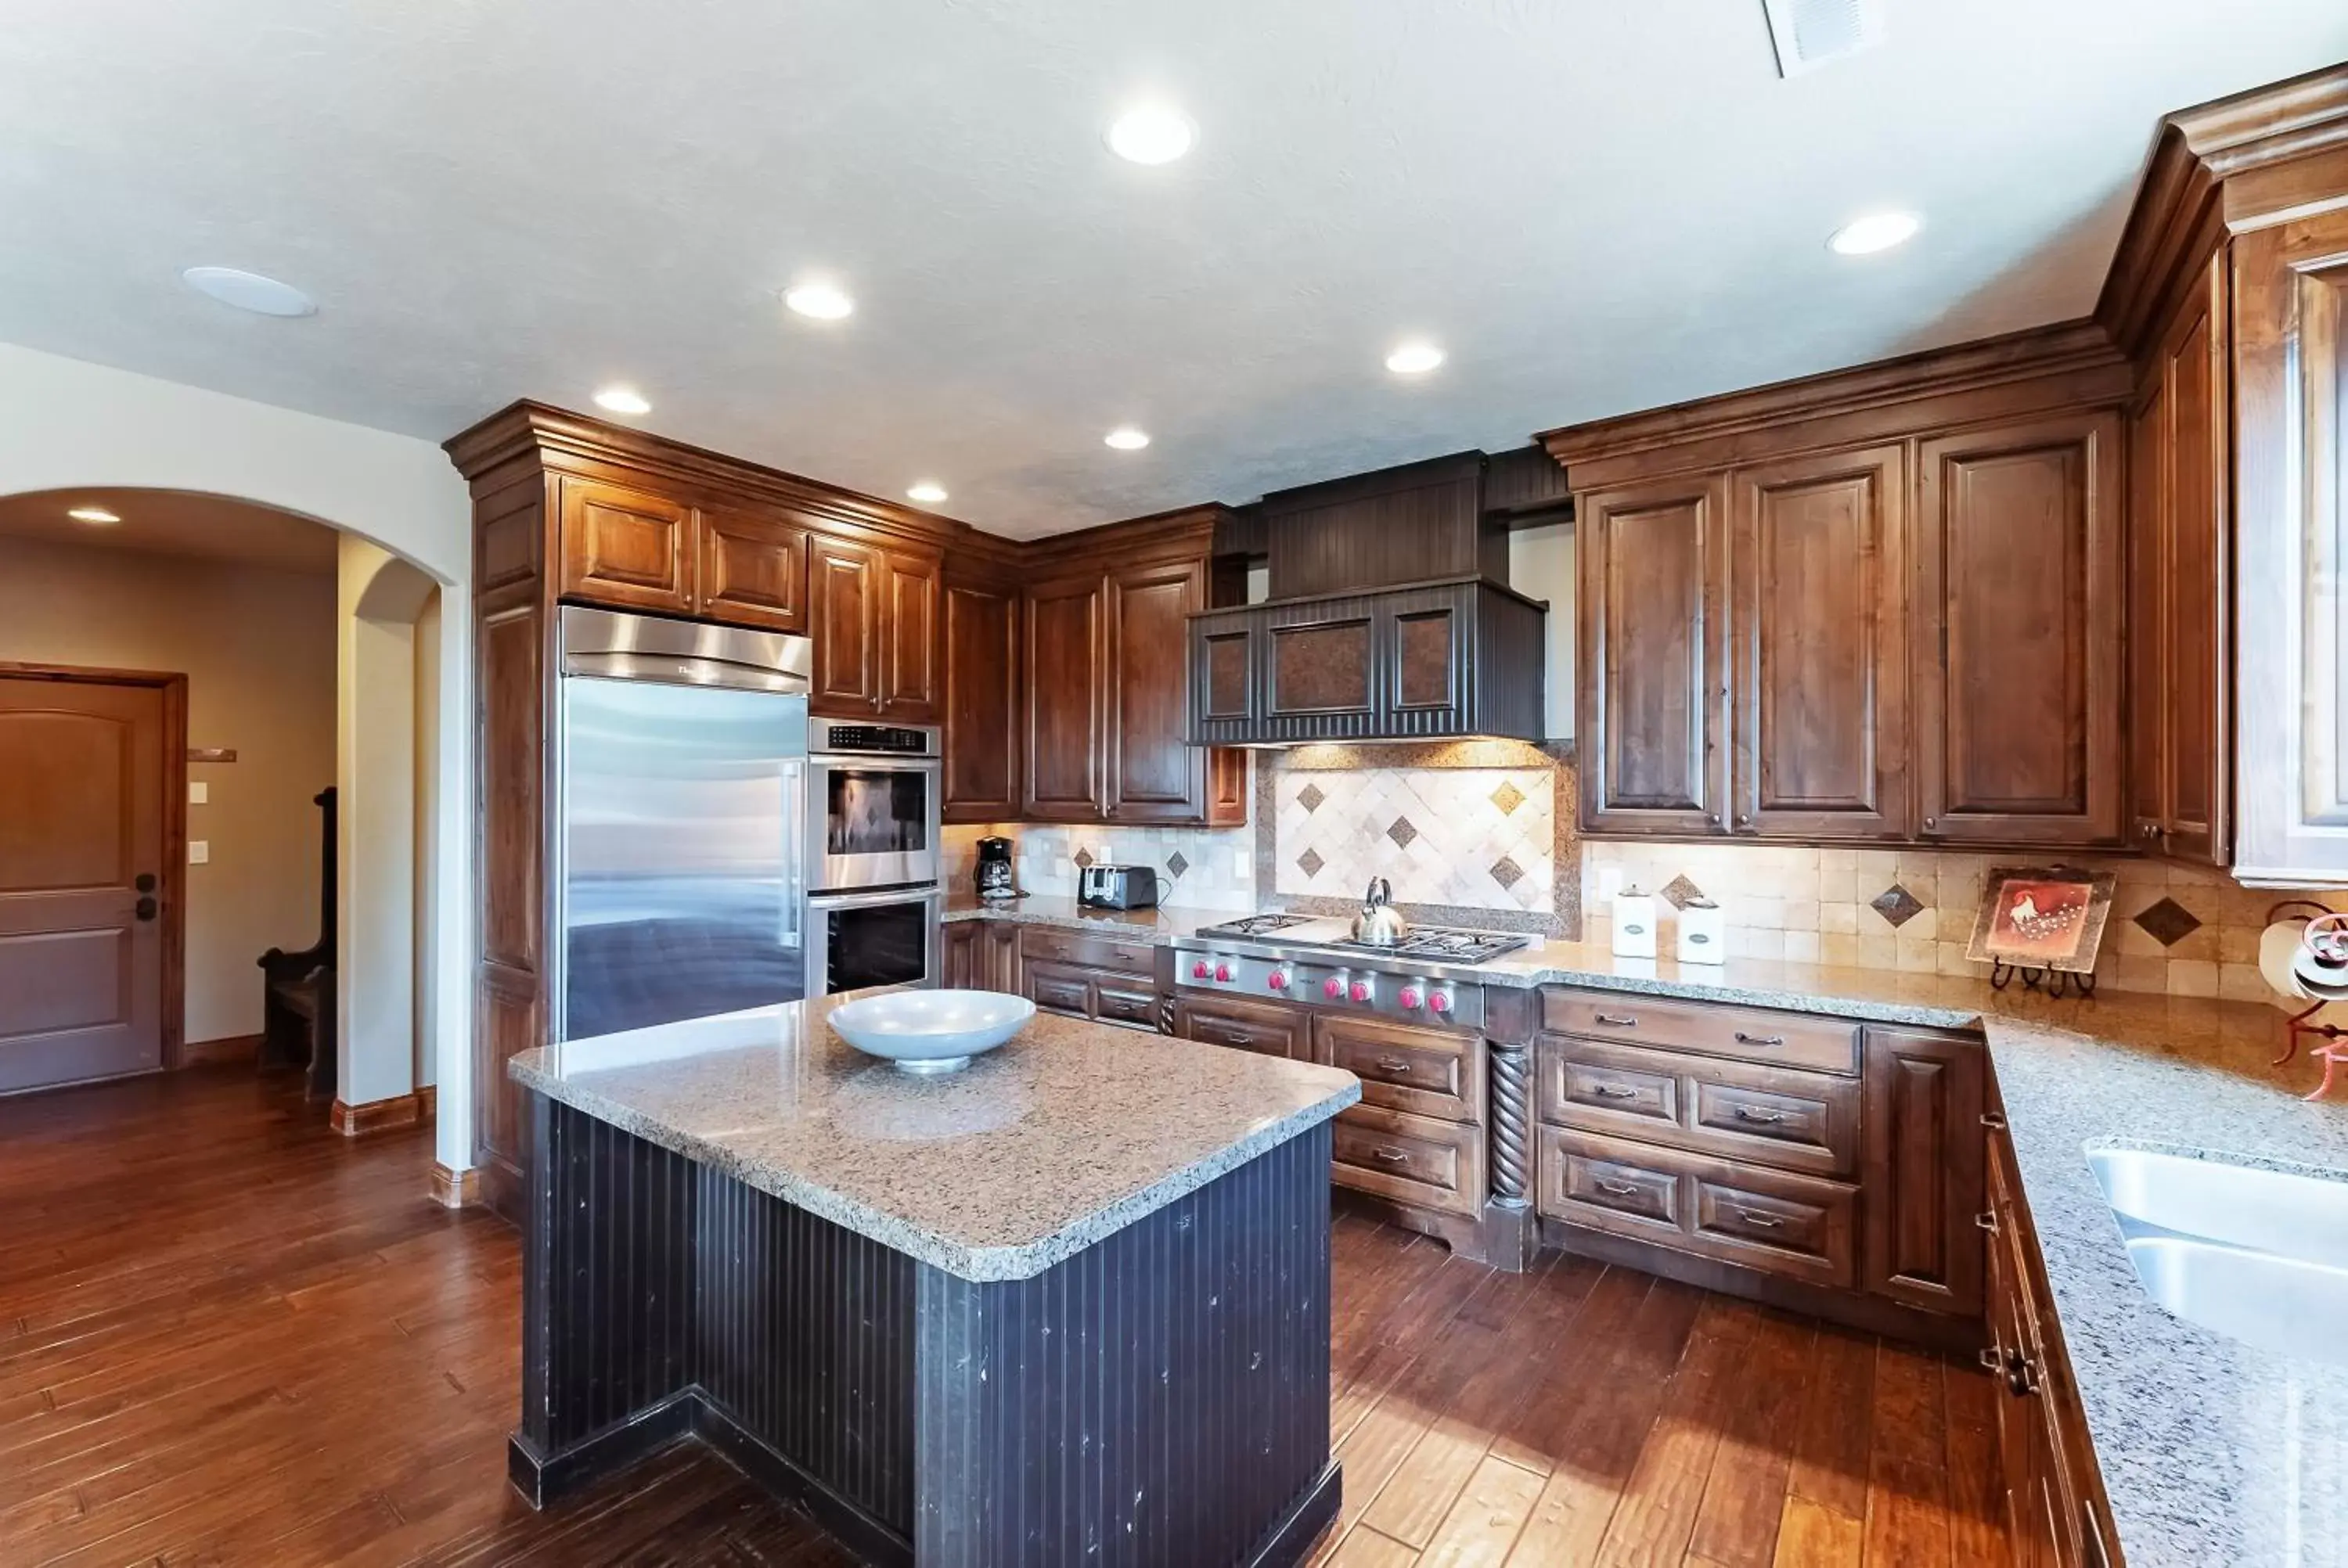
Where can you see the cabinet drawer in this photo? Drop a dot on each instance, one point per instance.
(1781, 1116)
(1421, 1071)
(1138, 959)
(1746, 1034)
(1772, 1221)
(1245, 1026)
(1116, 1003)
(1414, 1160)
(1057, 989)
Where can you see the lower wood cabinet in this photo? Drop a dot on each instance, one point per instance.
(983, 956)
(1925, 1198)
(1261, 1027)
(1084, 975)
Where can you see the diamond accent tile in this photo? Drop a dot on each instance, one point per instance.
(1177, 864)
(1508, 797)
(1310, 798)
(1401, 832)
(1084, 858)
(1897, 904)
(2168, 922)
(1506, 872)
(1310, 864)
(1681, 892)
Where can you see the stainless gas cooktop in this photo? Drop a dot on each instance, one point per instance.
(1426, 944)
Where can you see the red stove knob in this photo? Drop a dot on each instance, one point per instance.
(1200, 969)
(1409, 997)
(1222, 972)
(1438, 1002)
(1334, 987)
(1361, 991)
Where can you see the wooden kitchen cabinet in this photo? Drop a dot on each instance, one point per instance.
(1819, 639)
(1923, 1242)
(626, 549)
(2017, 598)
(981, 956)
(874, 619)
(1067, 657)
(1152, 776)
(1267, 1028)
(752, 569)
(980, 712)
(1653, 693)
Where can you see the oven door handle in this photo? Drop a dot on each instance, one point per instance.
(822, 901)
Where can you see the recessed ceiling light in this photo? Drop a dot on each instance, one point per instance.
(928, 492)
(820, 300)
(623, 400)
(249, 292)
(1126, 438)
(1414, 359)
(1876, 231)
(1151, 133)
(97, 515)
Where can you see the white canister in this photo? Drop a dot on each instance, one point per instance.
(1635, 924)
(1704, 933)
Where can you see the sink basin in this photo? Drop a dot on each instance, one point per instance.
(2259, 1256)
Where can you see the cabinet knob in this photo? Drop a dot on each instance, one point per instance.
(1744, 819)
(1932, 823)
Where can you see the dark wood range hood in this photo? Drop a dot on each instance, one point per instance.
(1390, 617)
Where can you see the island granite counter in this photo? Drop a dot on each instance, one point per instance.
(1053, 1308)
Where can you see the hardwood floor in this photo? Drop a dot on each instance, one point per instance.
(229, 1336)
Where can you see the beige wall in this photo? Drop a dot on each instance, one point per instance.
(258, 649)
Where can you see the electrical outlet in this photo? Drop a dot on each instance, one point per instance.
(199, 852)
(1242, 862)
(199, 792)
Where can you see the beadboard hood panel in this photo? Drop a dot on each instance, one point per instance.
(1390, 619)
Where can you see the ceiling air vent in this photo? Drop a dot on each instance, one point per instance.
(1813, 33)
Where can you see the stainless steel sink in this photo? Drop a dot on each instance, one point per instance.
(2259, 1256)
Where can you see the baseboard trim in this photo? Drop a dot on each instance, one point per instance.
(376, 1115)
(455, 1189)
(229, 1050)
(427, 1101)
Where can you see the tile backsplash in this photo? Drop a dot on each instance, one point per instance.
(1198, 868)
(2181, 929)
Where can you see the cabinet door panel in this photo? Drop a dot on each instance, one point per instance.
(2017, 577)
(753, 570)
(1065, 751)
(1820, 626)
(1152, 775)
(982, 732)
(844, 615)
(1324, 668)
(625, 547)
(1651, 646)
(1922, 1174)
(909, 637)
(1247, 1026)
(2198, 584)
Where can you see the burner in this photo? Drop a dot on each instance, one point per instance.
(1254, 925)
(1440, 943)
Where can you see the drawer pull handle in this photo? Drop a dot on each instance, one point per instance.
(1754, 1217)
(1617, 1019)
(1394, 1064)
(1620, 1189)
(1391, 1156)
(1747, 1113)
(1987, 1220)
(1614, 1091)
(1993, 1120)
(1745, 1038)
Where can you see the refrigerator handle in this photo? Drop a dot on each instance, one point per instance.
(794, 852)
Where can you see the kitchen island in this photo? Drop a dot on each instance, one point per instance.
(1068, 1304)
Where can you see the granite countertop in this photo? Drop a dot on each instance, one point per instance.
(1064, 913)
(2212, 1451)
(1036, 1149)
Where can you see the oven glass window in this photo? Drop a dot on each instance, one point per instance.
(886, 945)
(876, 812)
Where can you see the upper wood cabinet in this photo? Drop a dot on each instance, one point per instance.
(874, 619)
(1067, 656)
(1651, 699)
(1152, 776)
(2017, 667)
(627, 548)
(753, 569)
(1817, 629)
(982, 702)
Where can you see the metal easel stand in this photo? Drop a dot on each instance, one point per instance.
(2054, 982)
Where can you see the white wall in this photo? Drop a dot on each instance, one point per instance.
(1540, 565)
(258, 649)
(67, 424)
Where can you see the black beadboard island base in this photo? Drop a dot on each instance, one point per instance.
(1159, 1398)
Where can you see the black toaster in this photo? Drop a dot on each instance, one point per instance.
(1118, 887)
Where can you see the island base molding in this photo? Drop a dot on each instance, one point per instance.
(1160, 1398)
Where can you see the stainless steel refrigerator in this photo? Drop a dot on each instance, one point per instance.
(681, 777)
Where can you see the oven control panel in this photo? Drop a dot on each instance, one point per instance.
(1390, 993)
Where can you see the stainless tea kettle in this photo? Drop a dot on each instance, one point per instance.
(1379, 924)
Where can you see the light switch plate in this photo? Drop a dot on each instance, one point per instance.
(199, 792)
(199, 852)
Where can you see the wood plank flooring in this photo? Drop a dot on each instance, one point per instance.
(229, 1336)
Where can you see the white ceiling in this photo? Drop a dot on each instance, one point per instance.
(1594, 206)
(173, 523)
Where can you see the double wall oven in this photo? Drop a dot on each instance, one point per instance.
(874, 813)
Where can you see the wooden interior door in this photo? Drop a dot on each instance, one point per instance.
(1820, 602)
(83, 837)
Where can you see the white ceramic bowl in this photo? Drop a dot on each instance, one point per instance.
(931, 1031)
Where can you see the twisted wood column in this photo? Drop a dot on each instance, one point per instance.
(1512, 1111)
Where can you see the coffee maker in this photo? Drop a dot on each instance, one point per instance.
(997, 879)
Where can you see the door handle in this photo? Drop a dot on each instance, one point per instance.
(145, 908)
